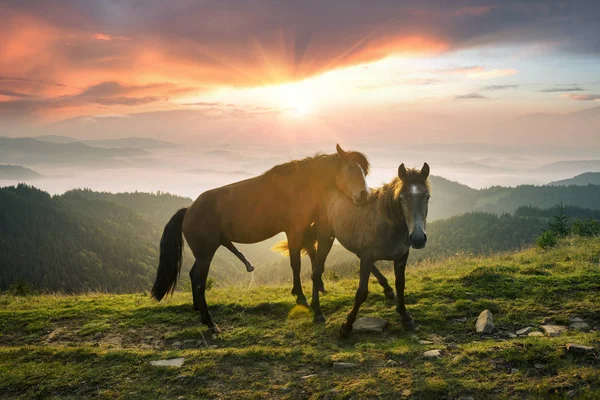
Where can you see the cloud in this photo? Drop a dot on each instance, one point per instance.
(499, 87)
(581, 97)
(212, 44)
(471, 96)
(479, 72)
(562, 89)
(104, 36)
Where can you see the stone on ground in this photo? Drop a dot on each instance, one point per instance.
(536, 333)
(433, 353)
(369, 324)
(578, 324)
(425, 342)
(553, 330)
(485, 322)
(524, 331)
(305, 377)
(392, 363)
(173, 362)
(177, 344)
(343, 365)
(579, 348)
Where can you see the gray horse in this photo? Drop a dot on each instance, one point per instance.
(384, 229)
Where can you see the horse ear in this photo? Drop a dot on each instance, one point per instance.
(402, 171)
(340, 151)
(425, 171)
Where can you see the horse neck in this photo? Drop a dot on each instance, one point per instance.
(390, 208)
(323, 174)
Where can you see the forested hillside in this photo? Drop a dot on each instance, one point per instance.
(450, 198)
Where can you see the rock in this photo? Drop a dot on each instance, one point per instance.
(524, 331)
(190, 343)
(575, 319)
(173, 362)
(369, 324)
(177, 344)
(485, 322)
(433, 353)
(579, 348)
(452, 346)
(461, 319)
(435, 338)
(512, 335)
(344, 365)
(579, 326)
(425, 342)
(305, 377)
(553, 330)
(392, 363)
(54, 334)
(213, 346)
(534, 334)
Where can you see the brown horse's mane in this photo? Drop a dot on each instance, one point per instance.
(318, 162)
(389, 192)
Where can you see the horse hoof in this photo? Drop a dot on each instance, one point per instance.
(319, 318)
(409, 325)
(214, 329)
(344, 333)
(249, 268)
(302, 302)
(390, 296)
(321, 287)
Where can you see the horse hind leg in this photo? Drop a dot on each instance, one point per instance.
(227, 243)
(196, 298)
(199, 276)
(388, 291)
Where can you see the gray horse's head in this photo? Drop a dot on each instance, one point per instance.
(414, 196)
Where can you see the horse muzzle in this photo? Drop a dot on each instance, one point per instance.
(418, 241)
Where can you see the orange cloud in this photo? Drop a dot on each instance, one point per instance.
(581, 97)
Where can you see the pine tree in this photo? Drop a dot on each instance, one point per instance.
(560, 223)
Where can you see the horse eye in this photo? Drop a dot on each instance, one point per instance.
(428, 197)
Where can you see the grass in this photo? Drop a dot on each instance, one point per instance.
(100, 345)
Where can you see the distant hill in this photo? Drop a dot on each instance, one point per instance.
(572, 166)
(15, 172)
(33, 151)
(129, 142)
(588, 178)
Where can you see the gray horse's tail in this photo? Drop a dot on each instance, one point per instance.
(309, 243)
(171, 249)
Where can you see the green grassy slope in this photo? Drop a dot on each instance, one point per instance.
(100, 345)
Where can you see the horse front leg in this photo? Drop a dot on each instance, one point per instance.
(399, 271)
(387, 289)
(366, 265)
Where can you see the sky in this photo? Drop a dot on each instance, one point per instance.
(269, 73)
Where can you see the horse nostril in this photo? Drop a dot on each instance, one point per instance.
(424, 237)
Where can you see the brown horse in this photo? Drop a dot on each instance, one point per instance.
(386, 228)
(284, 199)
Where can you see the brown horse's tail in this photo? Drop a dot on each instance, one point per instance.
(309, 242)
(171, 249)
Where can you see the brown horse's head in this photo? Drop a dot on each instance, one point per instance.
(414, 198)
(351, 176)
